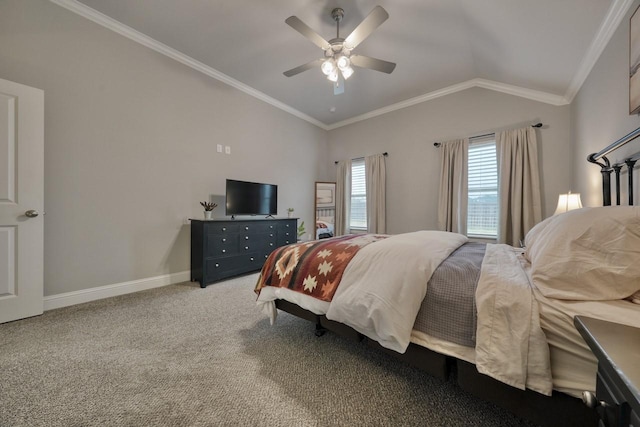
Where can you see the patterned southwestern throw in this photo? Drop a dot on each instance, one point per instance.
(313, 268)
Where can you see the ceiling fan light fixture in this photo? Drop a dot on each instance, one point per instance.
(347, 72)
(336, 63)
(343, 62)
(328, 66)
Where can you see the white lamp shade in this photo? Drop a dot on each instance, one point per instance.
(347, 72)
(343, 62)
(328, 66)
(333, 76)
(568, 202)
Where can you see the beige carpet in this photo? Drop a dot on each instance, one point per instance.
(185, 356)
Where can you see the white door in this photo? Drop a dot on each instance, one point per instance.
(21, 200)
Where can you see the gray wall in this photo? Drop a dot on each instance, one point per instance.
(413, 165)
(130, 146)
(600, 114)
(131, 138)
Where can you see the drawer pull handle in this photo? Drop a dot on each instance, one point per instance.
(271, 235)
(591, 401)
(266, 256)
(286, 241)
(270, 244)
(217, 265)
(224, 250)
(224, 240)
(246, 237)
(246, 248)
(246, 228)
(287, 225)
(224, 228)
(271, 226)
(251, 258)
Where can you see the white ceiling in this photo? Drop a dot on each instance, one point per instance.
(541, 49)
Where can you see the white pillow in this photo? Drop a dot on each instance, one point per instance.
(589, 254)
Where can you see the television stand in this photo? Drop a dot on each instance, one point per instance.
(221, 249)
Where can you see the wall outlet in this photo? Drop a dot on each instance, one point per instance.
(219, 148)
(227, 149)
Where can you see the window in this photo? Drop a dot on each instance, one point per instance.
(358, 219)
(482, 209)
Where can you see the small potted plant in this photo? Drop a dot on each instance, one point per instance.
(301, 231)
(290, 212)
(208, 209)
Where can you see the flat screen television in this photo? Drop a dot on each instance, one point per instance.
(251, 198)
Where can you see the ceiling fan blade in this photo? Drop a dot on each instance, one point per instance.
(373, 20)
(304, 67)
(372, 63)
(295, 23)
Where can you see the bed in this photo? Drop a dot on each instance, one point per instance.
(324, 229)
(498, 318)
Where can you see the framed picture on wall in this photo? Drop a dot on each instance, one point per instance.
(634, 63)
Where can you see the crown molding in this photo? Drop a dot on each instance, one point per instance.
(534, 95)
(612, 20)
(128, 32)
(531, 94)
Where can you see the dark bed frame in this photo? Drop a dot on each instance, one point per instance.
(559, 409)
(606, 168)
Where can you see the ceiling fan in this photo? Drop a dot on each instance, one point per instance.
(338, 58)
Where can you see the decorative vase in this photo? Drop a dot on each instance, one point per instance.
(208, 214)
(290, 214)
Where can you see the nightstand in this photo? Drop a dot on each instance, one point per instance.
(617, 348)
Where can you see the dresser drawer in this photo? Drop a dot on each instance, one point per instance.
(219, 268)
(221, 245)
(287, 226)
(286, 238)
(221, 227)
(252, 227)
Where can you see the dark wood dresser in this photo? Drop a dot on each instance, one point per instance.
(617, 348)
(225, 248)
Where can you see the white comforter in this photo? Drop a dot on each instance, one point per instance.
(384, 284)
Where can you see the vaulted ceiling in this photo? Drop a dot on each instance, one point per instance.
(540, 49)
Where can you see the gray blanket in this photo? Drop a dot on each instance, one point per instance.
(448, 310)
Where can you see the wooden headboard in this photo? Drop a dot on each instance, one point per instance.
(606, 168)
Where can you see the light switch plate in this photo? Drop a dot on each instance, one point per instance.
(227, 149)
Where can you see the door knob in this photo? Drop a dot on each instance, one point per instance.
(31, 213)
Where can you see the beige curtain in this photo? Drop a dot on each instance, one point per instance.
(375, 179)
(343, 198)
(518, 184)
(452, 201)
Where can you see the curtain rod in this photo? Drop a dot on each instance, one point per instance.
(360, 158)
(438, 144)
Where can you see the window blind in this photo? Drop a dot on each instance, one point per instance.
(358, 219)
(482, 213)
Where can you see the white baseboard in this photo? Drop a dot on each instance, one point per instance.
(78, 297)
